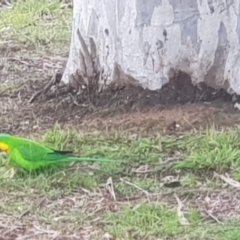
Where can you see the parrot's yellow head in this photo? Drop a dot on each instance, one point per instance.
(3, 144)
(4, 147)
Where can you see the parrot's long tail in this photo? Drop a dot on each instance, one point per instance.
(78, 159)
(59, 156)
(86, 159)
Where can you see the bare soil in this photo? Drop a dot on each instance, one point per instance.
(178, 106)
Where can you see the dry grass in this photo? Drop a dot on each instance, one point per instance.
(35, 27)
(169, 187)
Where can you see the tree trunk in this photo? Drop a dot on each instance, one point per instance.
(147, 42)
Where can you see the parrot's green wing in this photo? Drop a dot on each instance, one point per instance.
(37, 153)
(33, 153)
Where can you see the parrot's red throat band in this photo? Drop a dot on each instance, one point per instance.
(3, 147)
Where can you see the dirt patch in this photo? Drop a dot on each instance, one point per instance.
(4, 3)
(178, 106)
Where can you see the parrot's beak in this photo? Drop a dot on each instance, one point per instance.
(3, 147)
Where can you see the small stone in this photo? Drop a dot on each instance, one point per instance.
(107, 236)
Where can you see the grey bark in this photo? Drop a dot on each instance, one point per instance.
(148, 42)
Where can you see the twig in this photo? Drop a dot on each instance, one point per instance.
(28, 210)
(92, 213)
(32, 99)
(43, 230)
(213, 217)
(32, 236)
(10, 230)
(186, 120)
(52, 82)
(134, 185)
(229, 180)
(183, 221)
(109, 186)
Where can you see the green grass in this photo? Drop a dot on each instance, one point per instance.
(137, 152)
(143, 170)
(143, 221)
(73, 198)
(219, 150)
(41, 25)
(151, 219)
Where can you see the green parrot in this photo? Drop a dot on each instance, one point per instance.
(31, 155)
